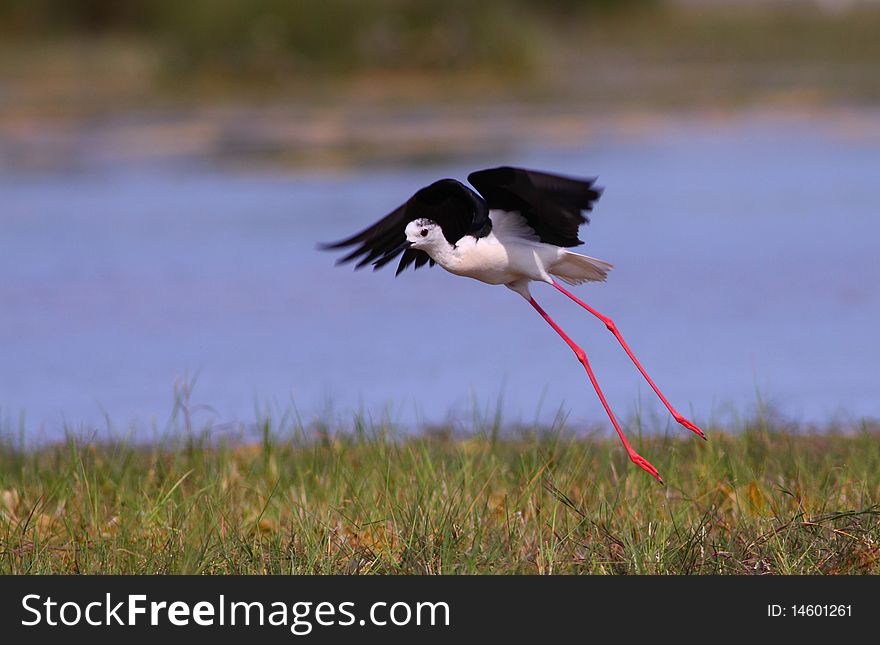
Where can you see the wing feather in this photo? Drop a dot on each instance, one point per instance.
(552, 205)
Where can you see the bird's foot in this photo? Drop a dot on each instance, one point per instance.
(645, 465)
(690, 425)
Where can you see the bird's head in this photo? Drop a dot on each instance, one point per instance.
(424, 234)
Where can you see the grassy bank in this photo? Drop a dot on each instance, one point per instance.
(340, 84)
(760, 501)
(101, 57)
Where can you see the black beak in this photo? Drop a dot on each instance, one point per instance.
(403, 246)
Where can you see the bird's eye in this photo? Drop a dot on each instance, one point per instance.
(424, 232)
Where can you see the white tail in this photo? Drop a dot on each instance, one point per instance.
(575, 268)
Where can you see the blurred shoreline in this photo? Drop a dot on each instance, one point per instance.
(300, 138)
(404, 88)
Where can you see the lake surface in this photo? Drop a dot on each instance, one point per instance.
(746, 258)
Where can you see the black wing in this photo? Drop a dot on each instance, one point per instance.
(456, 208)
(551, 204)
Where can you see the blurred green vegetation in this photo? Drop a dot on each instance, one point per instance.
(327, 36)
(88, 56)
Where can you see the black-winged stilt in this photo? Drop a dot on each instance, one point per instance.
(518, 229)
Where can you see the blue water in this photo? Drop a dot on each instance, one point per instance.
(746, 262)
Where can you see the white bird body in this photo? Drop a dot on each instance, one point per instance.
(518, 229)
(511, 254)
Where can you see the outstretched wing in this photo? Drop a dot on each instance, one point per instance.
(456, 208)
(552, 205)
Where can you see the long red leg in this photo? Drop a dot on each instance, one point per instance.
(637, 459)
(690, 425)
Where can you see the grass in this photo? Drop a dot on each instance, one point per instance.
(763, 500)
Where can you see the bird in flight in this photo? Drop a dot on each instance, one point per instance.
(519, 228)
